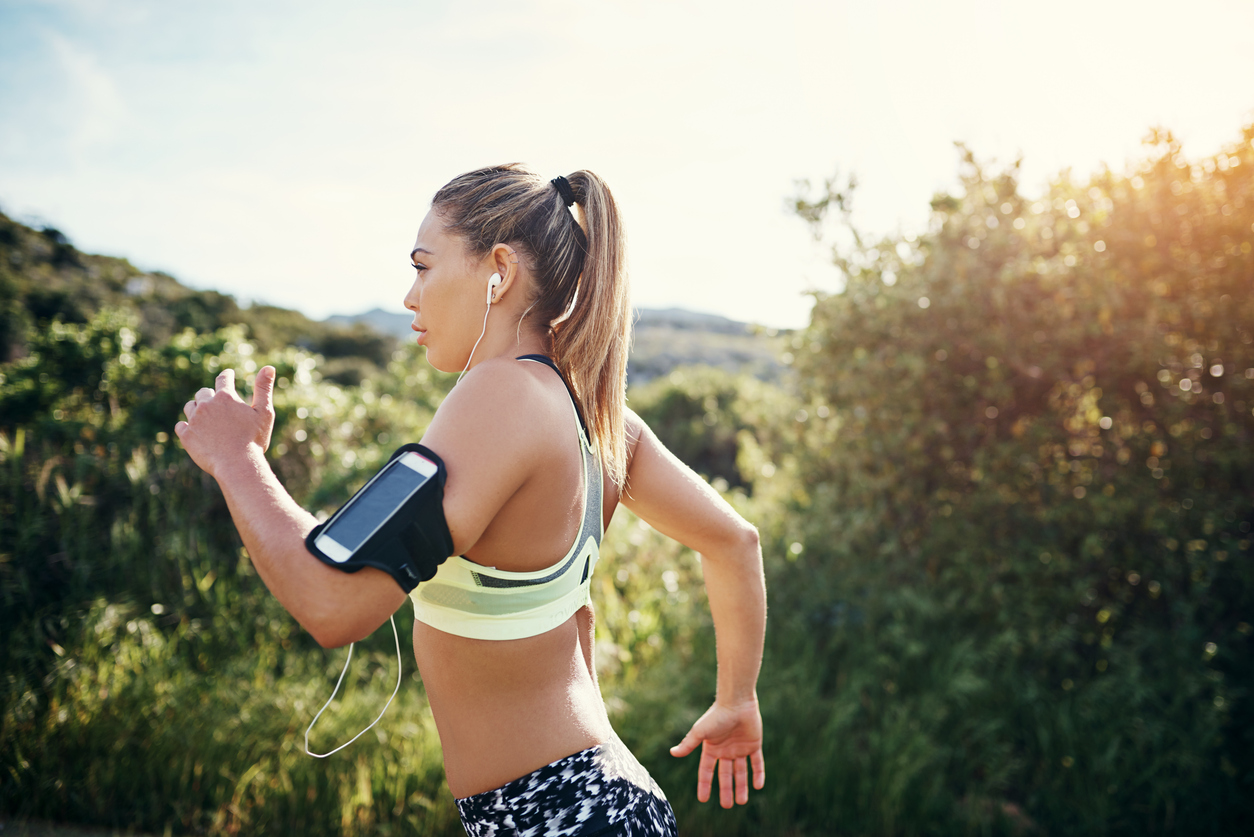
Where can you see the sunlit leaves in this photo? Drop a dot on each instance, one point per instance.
(1044, 434)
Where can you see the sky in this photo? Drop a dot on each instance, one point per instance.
(286, 152)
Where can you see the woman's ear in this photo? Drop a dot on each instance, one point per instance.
(505, 262)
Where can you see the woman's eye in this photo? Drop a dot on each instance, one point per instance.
(419, 267)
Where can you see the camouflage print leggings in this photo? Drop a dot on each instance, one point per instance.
(599, 792)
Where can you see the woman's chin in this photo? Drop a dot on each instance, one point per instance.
(433, 360)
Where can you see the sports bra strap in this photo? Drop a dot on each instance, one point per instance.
(548, 361)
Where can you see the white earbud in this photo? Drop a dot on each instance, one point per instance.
(493, 281)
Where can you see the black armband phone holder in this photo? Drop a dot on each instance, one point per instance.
(389, 524)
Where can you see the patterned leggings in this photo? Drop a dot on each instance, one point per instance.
(599, 792)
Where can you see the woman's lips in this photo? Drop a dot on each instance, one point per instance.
(421, 333)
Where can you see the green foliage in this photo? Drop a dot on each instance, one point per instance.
(1005, 503)
(134, 735)
(134, 622)
(1026, 575)
(707, 417)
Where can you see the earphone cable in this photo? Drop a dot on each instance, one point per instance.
(395, 636)
(392, 619)
(472, 351)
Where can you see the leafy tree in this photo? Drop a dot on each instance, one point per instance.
(1026, 574)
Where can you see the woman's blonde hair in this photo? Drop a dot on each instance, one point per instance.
(579, 270)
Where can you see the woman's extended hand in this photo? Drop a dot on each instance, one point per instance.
(730, 736)
(221, 426)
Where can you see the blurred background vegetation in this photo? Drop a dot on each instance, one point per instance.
(1004, 480)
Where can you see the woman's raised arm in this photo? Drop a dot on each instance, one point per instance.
(228, 439)
(670, 497)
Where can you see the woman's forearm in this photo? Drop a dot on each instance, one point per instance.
(729, 733)
(736, 588)
(335, 607)
(680, 504)
(273, 528)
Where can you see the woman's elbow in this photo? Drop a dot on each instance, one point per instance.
(329, 630)
(750, 540)
(752, 551)
(741, 543)
(741, 539)
(329, 636)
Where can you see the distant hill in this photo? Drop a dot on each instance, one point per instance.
(663, 340)
(44, 277)
(384, 322)
(668, 338)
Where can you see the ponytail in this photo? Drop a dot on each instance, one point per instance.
(592, 343)
(580, 289)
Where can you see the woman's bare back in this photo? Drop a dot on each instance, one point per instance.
(507, 707)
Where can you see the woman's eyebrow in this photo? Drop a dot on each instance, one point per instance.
(418, 250)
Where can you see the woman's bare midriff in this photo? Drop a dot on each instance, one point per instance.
(506, 708)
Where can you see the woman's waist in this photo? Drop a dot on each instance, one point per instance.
(481, 757)
(505, 708)
(487, 745)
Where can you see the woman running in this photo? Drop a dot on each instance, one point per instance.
(530, 301)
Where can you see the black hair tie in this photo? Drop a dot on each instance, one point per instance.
(563, 189)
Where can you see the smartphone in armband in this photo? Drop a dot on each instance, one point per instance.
(395, 523)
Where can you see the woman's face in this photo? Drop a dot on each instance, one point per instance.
(448, 296)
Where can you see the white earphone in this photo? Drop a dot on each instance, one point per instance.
(493, 281)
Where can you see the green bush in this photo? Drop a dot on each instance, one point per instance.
(134, 622)
(152, 682)
(1025, 591)
(1005, 506)
(709, 418)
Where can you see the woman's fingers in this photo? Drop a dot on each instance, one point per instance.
(733, 778)
(759, 769)
(686, 746)
(705, 776)
(263, 403)
(742, 782)
(725, 797)
(225, 382)
(263, 389)
(220, 424)
(731, 746)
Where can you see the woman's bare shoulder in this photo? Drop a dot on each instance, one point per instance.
(494, 432)
(492, 403)
(504, 420)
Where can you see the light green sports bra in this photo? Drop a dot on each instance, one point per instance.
(477, 602)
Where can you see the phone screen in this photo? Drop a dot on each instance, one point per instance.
(386, 493)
